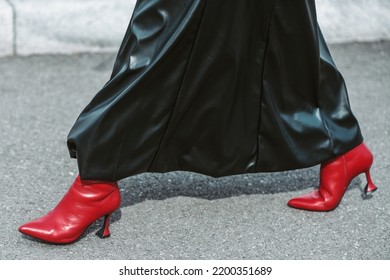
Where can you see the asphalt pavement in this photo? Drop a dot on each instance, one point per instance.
(183, 215)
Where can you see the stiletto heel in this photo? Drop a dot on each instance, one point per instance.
(370, 186)
(104, 232)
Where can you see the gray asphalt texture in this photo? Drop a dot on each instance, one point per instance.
(182, 215)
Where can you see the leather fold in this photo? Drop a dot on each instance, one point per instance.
(218, 87)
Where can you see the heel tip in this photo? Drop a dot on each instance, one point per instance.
(368, 194)
(101, 235)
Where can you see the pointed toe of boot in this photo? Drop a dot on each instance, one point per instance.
(299, 202)
(295, 203)
(312, 202)
(27, 229)
(35, 229)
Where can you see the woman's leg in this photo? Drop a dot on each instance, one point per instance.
(335, 176)
(159, 36)
(83, 204)
(306, 116)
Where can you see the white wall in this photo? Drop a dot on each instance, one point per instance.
(69, 26)
(6, 29)
(354, 20)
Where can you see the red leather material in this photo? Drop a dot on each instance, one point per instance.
(335, 176)
(83, 204)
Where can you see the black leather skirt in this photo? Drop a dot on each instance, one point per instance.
(218, 87)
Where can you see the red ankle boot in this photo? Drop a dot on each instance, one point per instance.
(335, 176)
(83, 204)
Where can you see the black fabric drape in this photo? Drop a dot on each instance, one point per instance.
(218, 87)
